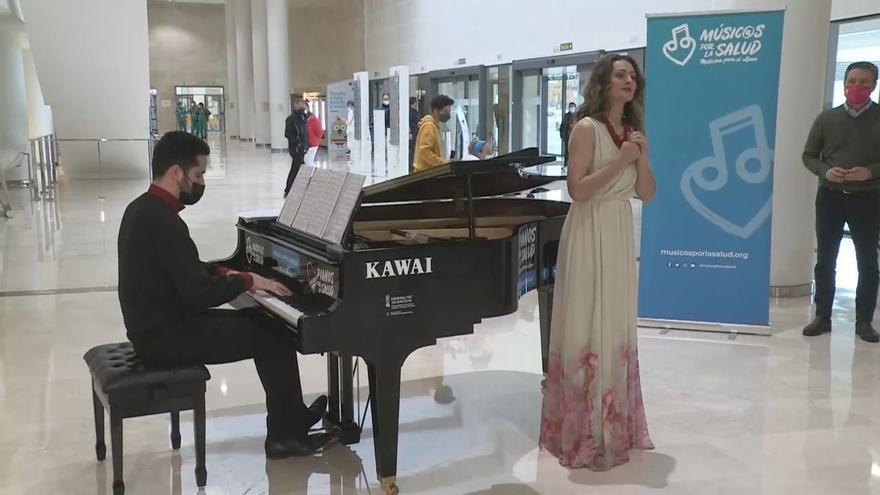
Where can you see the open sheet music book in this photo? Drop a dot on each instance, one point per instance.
(321, 202)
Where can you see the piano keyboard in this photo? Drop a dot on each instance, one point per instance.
(278, 307)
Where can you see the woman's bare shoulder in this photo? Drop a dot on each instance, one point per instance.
(586, 123)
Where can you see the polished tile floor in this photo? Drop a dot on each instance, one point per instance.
(752, 415)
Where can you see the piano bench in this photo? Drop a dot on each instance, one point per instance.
(126, 387)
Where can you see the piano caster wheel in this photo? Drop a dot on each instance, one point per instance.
(389, 486)
(443, 395)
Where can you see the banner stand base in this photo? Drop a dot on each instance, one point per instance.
(696, 326)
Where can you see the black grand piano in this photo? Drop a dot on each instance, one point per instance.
(425, 256)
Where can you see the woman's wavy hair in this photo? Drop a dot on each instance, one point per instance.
(596, 94)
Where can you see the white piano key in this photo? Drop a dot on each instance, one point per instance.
(278, 307)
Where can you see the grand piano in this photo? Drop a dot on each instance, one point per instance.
(424, 256)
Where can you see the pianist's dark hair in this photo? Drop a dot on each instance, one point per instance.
(177, 148)
(440, 102)
(596, 93)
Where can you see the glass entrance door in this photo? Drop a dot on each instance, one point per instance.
(531, 109)
(465, 90)
(563, 85)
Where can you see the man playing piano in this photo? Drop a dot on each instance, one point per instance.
(168, 299)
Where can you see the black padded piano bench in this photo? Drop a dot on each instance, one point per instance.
(126, 387)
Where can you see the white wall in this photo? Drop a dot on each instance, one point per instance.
(92, 57)
(429, 35)
(39, 114)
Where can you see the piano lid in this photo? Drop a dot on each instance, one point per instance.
(504, 174)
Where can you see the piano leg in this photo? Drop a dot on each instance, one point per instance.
(385, 408)
(340, 391)
(545, 311)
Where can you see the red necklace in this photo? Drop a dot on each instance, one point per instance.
(618, 140)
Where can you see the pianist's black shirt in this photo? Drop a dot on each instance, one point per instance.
(162, 282)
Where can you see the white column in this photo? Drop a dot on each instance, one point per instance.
(13, 98)
(261, 73)
(801, 93)
(245, 66)
(97, 84)
(279, 71)
(231, 92)
(362, 161)
(398, 161)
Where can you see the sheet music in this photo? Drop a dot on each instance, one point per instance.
(296, 195)
(327, 195)
(344, 209)
(310, 201)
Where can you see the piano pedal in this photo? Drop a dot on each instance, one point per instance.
(346, 434)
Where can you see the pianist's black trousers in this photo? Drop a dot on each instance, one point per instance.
(861, 211)
(219, 336)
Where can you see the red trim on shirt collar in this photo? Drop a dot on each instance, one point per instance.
(166, 197)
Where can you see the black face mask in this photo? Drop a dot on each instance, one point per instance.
(194, 195)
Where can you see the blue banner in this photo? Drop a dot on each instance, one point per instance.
(711, 120)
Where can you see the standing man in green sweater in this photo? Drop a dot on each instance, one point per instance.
(843, 149)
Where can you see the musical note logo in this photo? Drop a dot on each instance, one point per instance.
(746, 118)
(681, 47)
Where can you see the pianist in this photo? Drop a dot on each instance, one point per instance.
(168, 298)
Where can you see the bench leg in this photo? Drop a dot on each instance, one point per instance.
(199, 426)
(175, 430)
(116, 445)
(100, 447)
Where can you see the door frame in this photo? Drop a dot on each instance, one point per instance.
(522, 68)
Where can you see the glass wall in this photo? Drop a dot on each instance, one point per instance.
(211, 97)
(851, 41)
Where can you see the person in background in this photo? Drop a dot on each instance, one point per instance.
(843, 150)
(200, 121)
(414, 117)
(169, 297)
(297, 140)
(565, 127)
(386, 105)
(593, 413)
(349, 128)
(478, 150)
(428, 143)
(180, 113)
(315, 134)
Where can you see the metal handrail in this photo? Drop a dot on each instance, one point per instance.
(42, 161)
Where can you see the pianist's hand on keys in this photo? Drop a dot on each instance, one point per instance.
(268, 285)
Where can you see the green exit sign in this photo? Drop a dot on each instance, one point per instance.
(566, 47)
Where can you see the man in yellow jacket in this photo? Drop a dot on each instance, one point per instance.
(428, 154)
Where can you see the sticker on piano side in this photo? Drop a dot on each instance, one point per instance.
(528, 249)
(399, 305)
(399, 268)
(254, 251)
(321, 280)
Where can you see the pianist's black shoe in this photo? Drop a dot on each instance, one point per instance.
(818, 327)
(866, 332)
(317, 410)
(282, 449)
